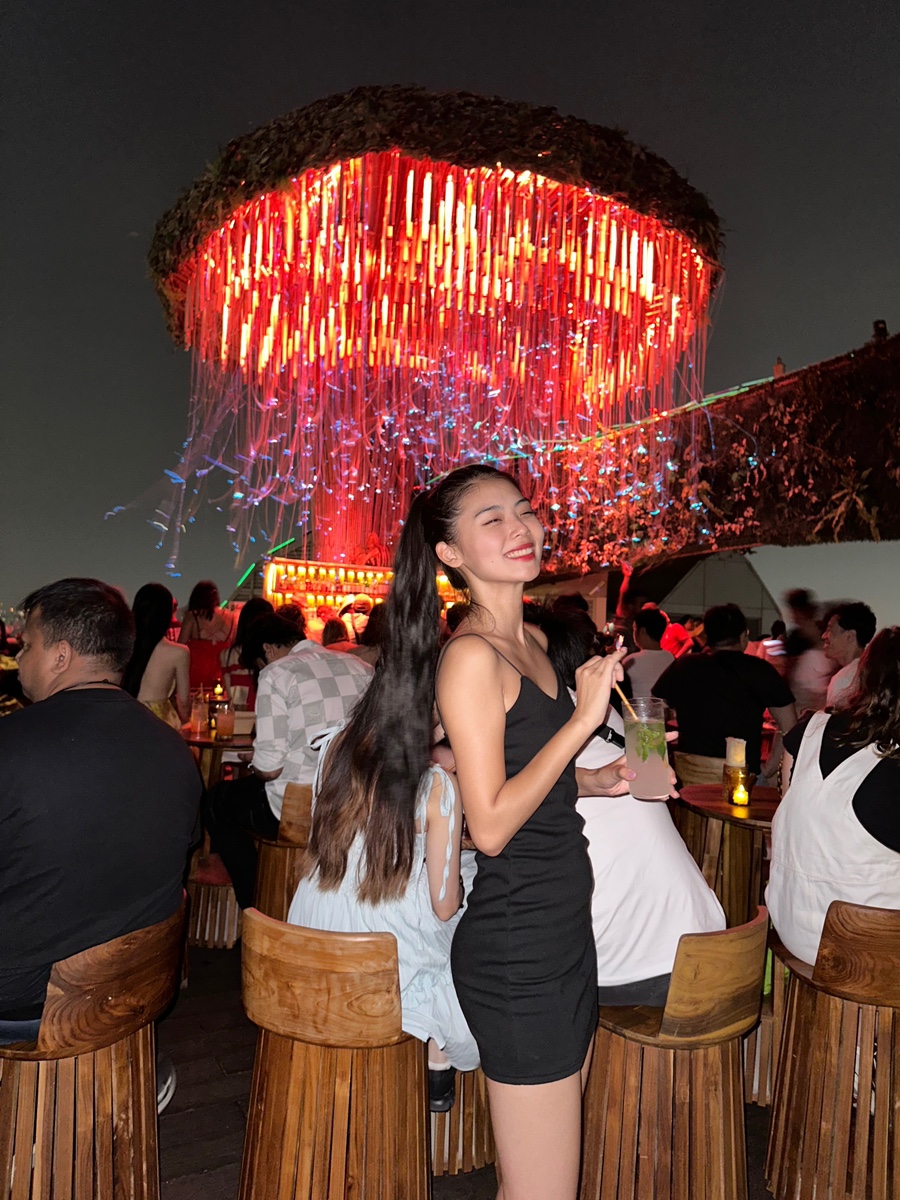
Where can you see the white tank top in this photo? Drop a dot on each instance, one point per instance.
(648, 890)
(820, 851)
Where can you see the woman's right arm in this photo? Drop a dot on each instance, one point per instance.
(442, 849)
(471, 703)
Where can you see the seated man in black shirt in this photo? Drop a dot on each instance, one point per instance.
(98, 798)
(719, 694)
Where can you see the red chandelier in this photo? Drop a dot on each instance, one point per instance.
(369, 325)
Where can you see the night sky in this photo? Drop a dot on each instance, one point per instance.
(785, 114)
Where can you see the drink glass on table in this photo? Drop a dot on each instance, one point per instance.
(225, 721)
(646, 752)
(199, 713)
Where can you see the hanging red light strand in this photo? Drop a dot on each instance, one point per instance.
(376, 323)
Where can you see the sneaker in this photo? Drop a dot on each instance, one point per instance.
(441, 1089)
(166, 1080)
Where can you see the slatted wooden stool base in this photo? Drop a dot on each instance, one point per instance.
(666, 1124)
(329, 1122)
(277, 875)
(664, 1103)
(762, 1044)
(82, 1128)
(339, 1096)
(835, 1129)
(78, 1105)
(279, 861)
(461, 1139)
(214, 919)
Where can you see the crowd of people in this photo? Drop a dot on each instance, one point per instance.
(470, 790)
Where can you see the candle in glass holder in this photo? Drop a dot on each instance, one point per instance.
(740, 795)
(736, 779)
(737, 783)
(735, 752)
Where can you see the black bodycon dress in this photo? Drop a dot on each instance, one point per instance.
(523, 955)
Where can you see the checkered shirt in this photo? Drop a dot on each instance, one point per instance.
(300, 696)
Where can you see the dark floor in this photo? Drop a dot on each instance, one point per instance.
(211, 1043)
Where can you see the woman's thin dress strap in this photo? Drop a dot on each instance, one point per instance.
(491, 644)
(481, 639)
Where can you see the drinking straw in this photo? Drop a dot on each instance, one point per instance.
(625, 701)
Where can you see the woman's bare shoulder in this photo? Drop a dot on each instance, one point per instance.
(172, 650)
(468, 650)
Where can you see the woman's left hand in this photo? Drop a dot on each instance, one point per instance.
(612, 780)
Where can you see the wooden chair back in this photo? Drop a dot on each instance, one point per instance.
(108, 992)
(859, 954)
(716, 985)
(296, 815)
(281, 860)
(326, 989)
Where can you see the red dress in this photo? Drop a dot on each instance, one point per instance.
(206, 669)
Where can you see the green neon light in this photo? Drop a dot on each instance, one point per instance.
(244, 576)
(253, 565)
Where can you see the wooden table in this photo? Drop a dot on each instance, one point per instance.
(211, 751)
(728, 843)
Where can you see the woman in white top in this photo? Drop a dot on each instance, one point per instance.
(422, 917)
(384, 847)
(158, 672)
(836, 834)
(648, 890)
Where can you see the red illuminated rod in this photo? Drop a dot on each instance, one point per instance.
(374, 324)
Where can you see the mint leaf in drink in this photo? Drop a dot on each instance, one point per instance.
(651, 739)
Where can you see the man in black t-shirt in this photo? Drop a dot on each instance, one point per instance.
(98, 798)
(719, 694)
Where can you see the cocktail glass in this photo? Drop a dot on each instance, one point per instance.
(646, 752)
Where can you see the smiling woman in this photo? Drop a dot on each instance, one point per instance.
(523, 956)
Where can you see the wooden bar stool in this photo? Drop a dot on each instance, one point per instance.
(462, 1139)
(214, 917)
(663, 1108)
(338, 1100)
(78, 1105)
(835, 1129)
(728, 843)
(278, 867)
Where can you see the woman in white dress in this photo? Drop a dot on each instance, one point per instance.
(384, 854)
(422, 918)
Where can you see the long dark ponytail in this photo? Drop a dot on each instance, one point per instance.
(374, 769)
